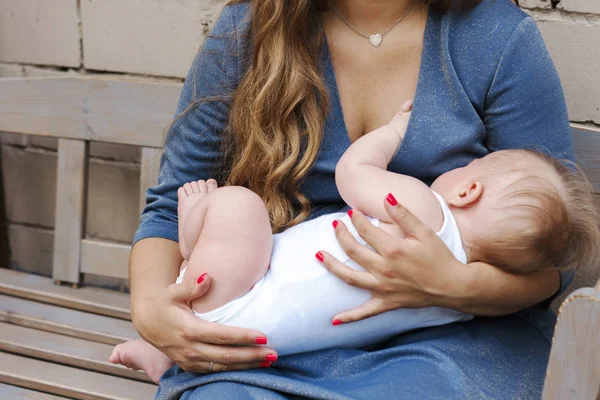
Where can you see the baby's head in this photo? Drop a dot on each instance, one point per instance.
(522, 211)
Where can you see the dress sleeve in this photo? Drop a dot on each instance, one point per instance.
(525, 105)
(193, 144)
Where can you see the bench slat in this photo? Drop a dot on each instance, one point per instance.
(94, 300)
(70, 382)
(64, 350)
(65, 321)
(105, 258)
(574, 365)
(70, 209)
(92, 108)
(18, 393)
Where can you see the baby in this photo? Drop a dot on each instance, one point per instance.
(516, 209)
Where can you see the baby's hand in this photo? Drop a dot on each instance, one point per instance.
(400, 121)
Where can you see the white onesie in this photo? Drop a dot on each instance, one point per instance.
(294, 303)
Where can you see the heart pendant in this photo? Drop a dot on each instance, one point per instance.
(376, 39)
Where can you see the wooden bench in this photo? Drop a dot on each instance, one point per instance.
(56, 336)
(55, 339)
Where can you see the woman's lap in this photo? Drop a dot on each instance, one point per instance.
(502, 358)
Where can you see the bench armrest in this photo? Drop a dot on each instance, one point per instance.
(574, 366)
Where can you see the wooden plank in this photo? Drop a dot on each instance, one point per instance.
(65, 321)
(68, 381)
(105, 258)
(63, 350)
(70, 209)
(99, 109)
(586, 142)
(98, 301)
(574, 366)
(18, 393)
(149, 172)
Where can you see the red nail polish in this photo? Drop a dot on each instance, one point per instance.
(261, 340)
(335, 224)
(271, 357)
(265, 364)
(392, 200)
(350, 213)
(201, 278)
(336, 322)
(319, 256)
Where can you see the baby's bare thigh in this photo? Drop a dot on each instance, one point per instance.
(234, 246)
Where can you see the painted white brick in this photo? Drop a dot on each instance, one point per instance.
(154, 37)
(544, 4)
(575, 48)
(113, 201)
(36, 72)
(30, 186)
(40, 32)
(581, 6)
(31, 249)
(10, 70)
(14, 139)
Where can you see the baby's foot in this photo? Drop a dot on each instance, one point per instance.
(188, 196)
(137, 354)
(400, 121)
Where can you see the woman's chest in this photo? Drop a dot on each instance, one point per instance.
(372, 89)
(370, 95)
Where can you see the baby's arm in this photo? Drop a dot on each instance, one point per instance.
(363, 181)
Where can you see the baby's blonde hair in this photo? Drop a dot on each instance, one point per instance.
(544, 218)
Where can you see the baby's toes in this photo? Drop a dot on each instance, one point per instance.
(202, 186)
(195, 187)
(114, 356)
(211, 185)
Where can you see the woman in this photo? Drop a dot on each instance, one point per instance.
(276, 95)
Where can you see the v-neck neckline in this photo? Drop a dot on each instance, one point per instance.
(336, 102)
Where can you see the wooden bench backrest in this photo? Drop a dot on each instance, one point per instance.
(80, 110)
(77, 111)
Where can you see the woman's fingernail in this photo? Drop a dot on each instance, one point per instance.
(319, 256)
(201, 278)
(350, 213)
(336, 322)
(271, 357)
(335, 224)
(392, 200)
(265, 364)
(261, 340)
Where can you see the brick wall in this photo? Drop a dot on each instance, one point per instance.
(159, 38)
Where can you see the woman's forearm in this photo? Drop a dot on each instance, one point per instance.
(489, 291)
(153, 265)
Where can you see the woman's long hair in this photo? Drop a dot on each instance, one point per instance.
(279, 107)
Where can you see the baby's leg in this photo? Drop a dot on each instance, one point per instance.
(233, 243)
(137, 354)
(230, 236)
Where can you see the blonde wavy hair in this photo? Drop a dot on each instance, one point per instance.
(278, 109)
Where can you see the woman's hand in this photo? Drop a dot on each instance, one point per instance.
(169, 324)
(414, 272)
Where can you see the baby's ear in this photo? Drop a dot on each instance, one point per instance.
(467, 194)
